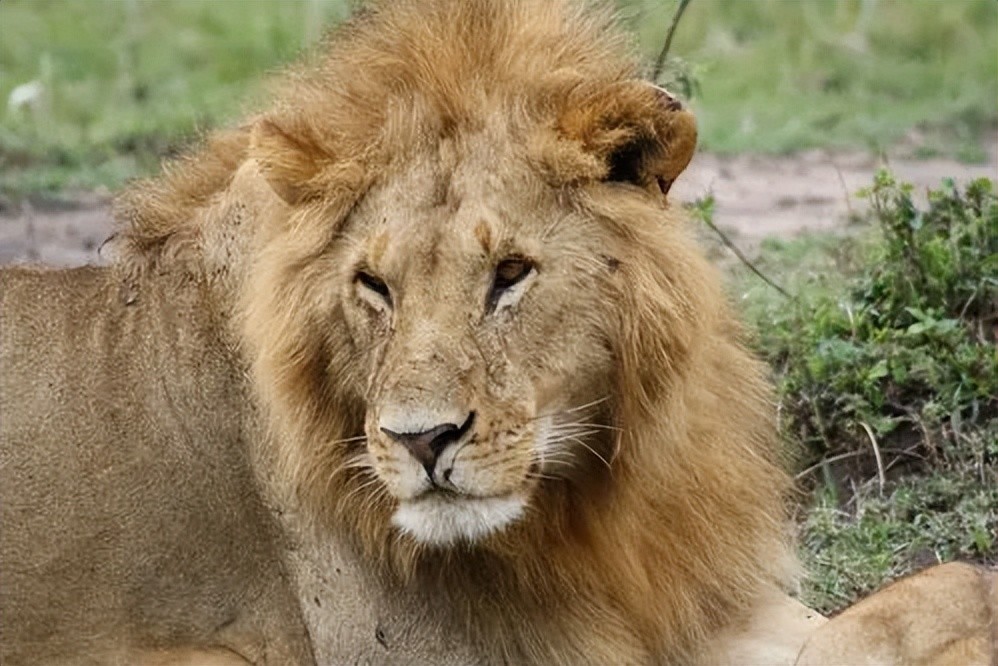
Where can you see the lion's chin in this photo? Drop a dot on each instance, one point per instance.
(443, 520)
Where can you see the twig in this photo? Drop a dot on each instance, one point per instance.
(660, 63)
(825, 461)
(876, 453)
(745, 260)
(853, 454)
(845, 190)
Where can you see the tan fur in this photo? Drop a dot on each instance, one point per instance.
(451, 109)
(230, 373)
(944, 616)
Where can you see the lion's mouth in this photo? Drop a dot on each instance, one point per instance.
(442, 517)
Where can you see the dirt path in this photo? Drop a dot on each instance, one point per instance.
(756, 197)
(760, 196)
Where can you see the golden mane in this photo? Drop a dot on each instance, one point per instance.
(691, 526)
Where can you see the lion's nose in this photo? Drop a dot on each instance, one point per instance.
(426, 446)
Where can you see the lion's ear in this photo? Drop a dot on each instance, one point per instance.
(289, 161)
(632, 132)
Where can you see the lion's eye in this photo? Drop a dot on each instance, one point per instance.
(377, 285)
(508, 274)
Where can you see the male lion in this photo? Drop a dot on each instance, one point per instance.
(417, 367)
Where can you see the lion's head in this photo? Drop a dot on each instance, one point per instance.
(475, 320)
(474, 289)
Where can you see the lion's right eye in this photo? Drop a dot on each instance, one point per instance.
(509, 273)
(377, 285)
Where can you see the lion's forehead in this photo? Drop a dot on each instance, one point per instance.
(449, 171)
(409, 224)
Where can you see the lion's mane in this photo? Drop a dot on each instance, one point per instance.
(690, 525)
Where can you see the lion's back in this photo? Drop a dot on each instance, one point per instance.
(943, 616)
(124, 501)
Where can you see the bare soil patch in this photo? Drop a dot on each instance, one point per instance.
(761, 196)
(68, 232)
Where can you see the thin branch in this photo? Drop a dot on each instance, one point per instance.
(825, 461)
(660, 63)
(845, 190)
(853, 454)
(745, 260)
(876, 452)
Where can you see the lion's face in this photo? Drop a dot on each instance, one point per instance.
(474, 308)
(464, 300)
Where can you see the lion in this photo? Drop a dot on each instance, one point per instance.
(417, 365)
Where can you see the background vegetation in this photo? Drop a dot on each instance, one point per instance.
(886, 364)
(124, 81)
(884, 353)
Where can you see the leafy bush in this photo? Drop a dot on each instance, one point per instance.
(886, 362)
(907, 352)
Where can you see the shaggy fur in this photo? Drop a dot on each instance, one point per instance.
(646, 561)
(438, 134)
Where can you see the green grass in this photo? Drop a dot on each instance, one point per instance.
(128, 81)
(781, 75)
(852, 547)
(886, 365)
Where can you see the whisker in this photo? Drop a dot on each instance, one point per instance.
(570, 410)
(347, 440)
(543, 476)
(587, 405)
(379, 494)
(360, 462)
(591, 450)
(356, 461)
(588, 424)
(572, 435)
(361, 489)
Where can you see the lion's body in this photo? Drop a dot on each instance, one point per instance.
(127, 492)
(453, 223)
(142, 528)
(943, 616)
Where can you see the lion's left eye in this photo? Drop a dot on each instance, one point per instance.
(509, 273)
(375, 284)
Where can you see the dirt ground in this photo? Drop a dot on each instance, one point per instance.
(756, 197)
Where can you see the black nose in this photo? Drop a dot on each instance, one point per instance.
(426, 446)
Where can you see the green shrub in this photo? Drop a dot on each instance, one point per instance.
(907, 350)
(886, 362)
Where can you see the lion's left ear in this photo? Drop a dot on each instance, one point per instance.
(288, 159)
(632, 132)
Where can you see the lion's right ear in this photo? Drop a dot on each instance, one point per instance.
(629, 131)
(289, 161)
